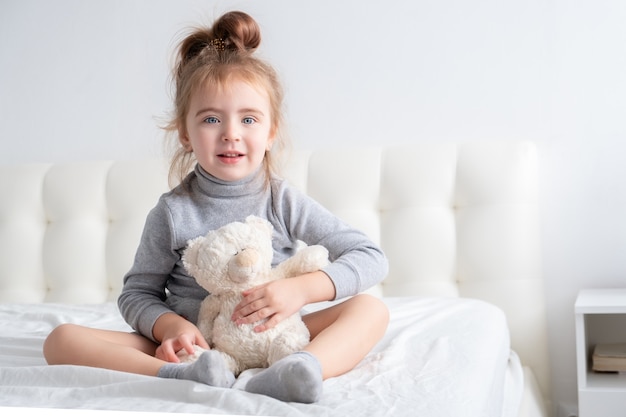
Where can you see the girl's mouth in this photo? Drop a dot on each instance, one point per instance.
(230, 157)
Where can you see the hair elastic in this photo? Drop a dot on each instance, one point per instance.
(219, 44)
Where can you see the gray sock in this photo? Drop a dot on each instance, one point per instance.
(297, 378)
(210, 368)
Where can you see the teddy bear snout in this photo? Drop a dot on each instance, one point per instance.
(244, 266)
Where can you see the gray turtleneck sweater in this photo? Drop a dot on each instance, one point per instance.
(158, 283)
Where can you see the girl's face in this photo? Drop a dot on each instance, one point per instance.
(229, 129)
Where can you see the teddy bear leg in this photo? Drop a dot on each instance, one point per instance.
(286, 344)
(235, 366)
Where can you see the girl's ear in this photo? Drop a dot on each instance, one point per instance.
(184, 140)
(270, 140)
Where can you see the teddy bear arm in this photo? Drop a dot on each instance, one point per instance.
(209, 309)
(308, 259)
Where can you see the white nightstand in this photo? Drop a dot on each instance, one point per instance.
(600, 318)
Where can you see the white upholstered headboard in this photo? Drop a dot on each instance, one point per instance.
(454, 220)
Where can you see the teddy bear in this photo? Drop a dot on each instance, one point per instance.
(234, 258)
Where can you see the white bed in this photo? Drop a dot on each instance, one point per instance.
(459, 223)
(430, 343)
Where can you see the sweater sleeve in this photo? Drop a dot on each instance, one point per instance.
(357, 263)
(142, 300)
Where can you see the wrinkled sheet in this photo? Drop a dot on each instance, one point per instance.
(440, 357)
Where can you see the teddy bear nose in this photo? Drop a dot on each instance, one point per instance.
(244, 266)
(247, 257)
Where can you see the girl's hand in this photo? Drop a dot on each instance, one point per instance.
(176, 333)
(277, 300)
(273, 301)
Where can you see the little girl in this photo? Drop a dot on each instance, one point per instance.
(228, 120)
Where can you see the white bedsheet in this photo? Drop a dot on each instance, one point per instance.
(440, 357)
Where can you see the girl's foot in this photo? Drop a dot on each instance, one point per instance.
(297, 378)
(210, 368)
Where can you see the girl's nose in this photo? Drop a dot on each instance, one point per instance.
(231, 132)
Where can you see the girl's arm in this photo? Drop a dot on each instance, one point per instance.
(142, 300)
(357, 263)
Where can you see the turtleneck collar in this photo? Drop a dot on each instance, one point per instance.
(216, 187)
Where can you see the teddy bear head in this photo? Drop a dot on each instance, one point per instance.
(233, 258)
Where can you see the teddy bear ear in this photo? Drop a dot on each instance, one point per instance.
(190, 255)
(260, 223)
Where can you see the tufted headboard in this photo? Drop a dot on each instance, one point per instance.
(455, 219)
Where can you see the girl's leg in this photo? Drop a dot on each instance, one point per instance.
(341, 336)
(119, 351)
(129, 352)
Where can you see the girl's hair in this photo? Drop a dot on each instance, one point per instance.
(215, 56)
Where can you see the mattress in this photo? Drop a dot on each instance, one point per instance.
(440, 357)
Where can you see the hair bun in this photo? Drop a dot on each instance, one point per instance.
(238, 30)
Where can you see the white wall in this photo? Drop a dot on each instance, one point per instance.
(88, 80)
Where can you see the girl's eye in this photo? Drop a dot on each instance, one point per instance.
(211, 119)
(248, 120)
